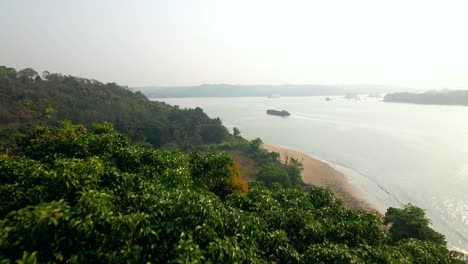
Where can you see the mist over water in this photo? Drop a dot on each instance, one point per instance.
(394, 153)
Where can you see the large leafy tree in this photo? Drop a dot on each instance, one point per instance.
(7, 72)
(27, 74)
(273, 173)
(410, 222)
(287, 174)
(236, 132)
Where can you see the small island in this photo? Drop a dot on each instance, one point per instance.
(277, 112)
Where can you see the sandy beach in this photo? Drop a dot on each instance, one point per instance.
(319, 173)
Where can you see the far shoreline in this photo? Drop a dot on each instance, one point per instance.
(319, 173)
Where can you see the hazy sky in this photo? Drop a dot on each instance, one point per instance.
(412, 43)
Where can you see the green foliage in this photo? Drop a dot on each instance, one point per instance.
(424, 251)
(26, 98)
(74, 195)
(255, 144)
(232, 144)
(331, 253)
(273, 173)
(27, 74)
(410, 222)
(6, 72)
(216, 172)
(294, 169)
(236, 132)
(287, 175)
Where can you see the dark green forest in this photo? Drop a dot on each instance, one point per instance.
(26, 96)
(442, 97)
(75, 189)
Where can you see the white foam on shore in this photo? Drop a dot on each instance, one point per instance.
(374, 194)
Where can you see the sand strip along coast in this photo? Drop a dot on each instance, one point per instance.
(319, 173)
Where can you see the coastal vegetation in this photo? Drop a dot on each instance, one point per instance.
(71, 194)
(76, 189)
(28, 97)
(441, 97)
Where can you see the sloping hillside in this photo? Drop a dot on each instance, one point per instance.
(27, 97)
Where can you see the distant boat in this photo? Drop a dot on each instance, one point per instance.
(278, 113)
(374, 95)
(274, 96)
(352, 96)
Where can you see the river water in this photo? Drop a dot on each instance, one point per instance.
(393, 153)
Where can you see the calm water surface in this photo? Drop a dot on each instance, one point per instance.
(393, 153)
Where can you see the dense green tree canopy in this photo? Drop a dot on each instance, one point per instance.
(27, 74)
(24, 96)
(69, 194)
(410, 222)
(273, 173)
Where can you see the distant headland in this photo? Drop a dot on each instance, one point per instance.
(440, 97)
(230, 90)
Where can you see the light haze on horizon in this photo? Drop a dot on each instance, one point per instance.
(420, 44)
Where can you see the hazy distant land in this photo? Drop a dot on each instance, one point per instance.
(228, 90)
(441, 97)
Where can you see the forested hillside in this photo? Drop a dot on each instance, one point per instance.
(74, 195)
(443, 97)
(26, 96)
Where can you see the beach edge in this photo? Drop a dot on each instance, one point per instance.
(319, 173)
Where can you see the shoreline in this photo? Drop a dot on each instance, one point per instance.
(319, 173)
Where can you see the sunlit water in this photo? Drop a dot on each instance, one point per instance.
(393, 153)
